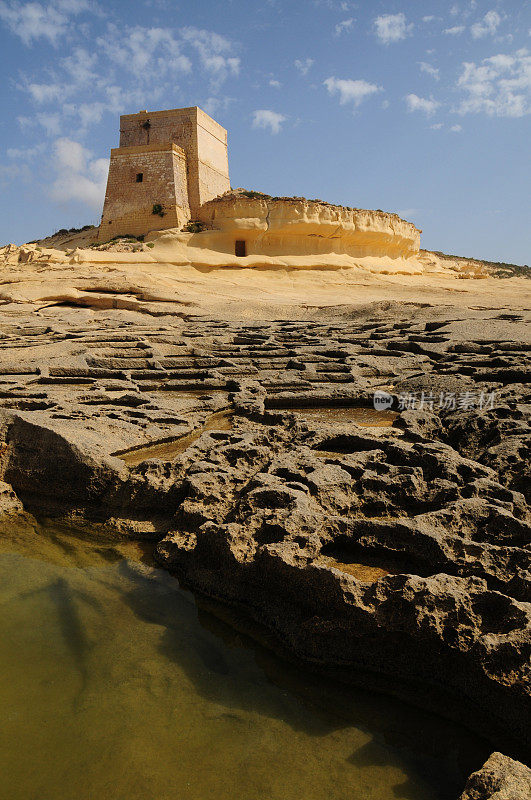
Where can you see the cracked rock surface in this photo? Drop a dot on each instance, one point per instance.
(390, 547)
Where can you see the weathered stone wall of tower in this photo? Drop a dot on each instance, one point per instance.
(129, 203)
(176, 125)
(182, 155)
(212, 161)
(203, 140)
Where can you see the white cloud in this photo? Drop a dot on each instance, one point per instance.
(80, 66)
(498, 86)
(123, 68)
(73, 6)
(429, 70)
(88, 113)
(392, 27)
(436, 126)
(455, 31)
(269, 120)
(11, 172)
(26, 123)
(504, 62)
(456, 128)
(304, 66)
(215, 52)
(488, 25)
(46, 92)
(344, 26)
(50, 122)
(79, 176)
(275, 84)
(31, 21)
(351, 91)
(152, 53)
(416, 103)
(25, 153)
(215, 105)
(144, 51)
(70, 155)
(118, 99)
(114, 99)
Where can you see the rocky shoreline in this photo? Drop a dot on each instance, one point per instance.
(389, 548)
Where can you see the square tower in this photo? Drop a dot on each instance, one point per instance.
(173, 160)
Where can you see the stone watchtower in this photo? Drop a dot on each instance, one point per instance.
(168, 164)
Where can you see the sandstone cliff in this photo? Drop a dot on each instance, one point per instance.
(296, 226)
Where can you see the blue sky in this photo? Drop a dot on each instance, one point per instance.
(422, 108)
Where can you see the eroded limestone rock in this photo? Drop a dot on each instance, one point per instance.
(390, 550)
(500, 778)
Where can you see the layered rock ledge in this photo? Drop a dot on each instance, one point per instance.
(300, 227)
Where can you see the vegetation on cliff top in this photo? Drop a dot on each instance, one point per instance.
(252, 194)
(499, 269)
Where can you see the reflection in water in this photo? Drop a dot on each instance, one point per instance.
(64, 601)
(113, 684)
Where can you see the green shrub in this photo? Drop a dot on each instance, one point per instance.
(123, 238)
(255, 195)
(140, 238)
(194, 226)
(65, 231)
(150, 244)
(157, 209)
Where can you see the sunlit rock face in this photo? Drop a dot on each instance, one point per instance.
(300, 227)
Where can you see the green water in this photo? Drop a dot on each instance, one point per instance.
(114, 685)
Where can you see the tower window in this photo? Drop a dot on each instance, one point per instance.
(240, 247)
(139, 177)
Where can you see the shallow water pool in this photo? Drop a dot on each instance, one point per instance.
(115, 685)
(168, 450)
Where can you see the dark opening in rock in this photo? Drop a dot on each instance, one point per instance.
(270, 533)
